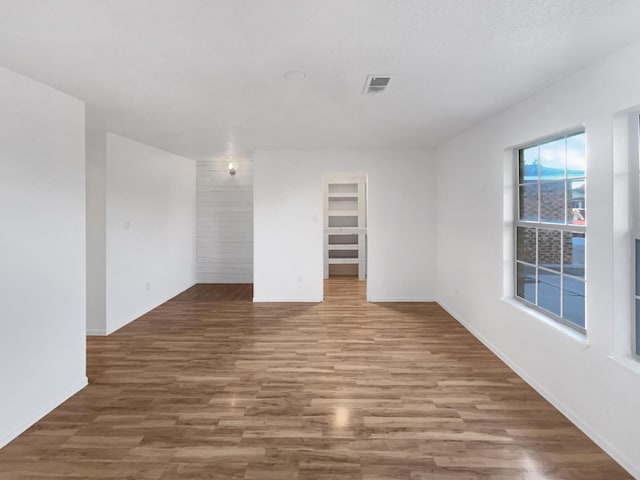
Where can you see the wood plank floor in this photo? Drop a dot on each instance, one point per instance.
(211, 386)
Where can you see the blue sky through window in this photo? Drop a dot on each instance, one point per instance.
(550, 159)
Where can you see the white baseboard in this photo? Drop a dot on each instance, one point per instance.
(224, 281)
(53, 400)
(320, 300)
(135, 316)
(403, 300)
(286, 300)
(97, 332)
(579, 422)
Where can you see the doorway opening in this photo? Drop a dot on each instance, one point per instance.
(345, 235)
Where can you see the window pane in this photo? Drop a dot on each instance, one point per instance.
(573, 246)
(529, 202)
(528, 171)
(526, 282)
(552, 202)
(573, 300)
(576, 205)
(526, 245)
(549, 291)
(638, 268)
(553, 160)
(637, 327)
(576, 160)
(549, 249)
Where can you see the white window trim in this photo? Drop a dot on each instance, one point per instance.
(626, 226)
(634, 208)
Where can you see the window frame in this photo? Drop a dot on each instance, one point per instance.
(635, 233)
(557, 227)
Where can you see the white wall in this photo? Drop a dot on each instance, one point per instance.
(42, 251)
(288, 227)
(225, 222)
(589, 379)
(150, 228)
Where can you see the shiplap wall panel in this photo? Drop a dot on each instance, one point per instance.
(224, 222)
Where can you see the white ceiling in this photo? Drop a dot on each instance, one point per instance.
(203, 77)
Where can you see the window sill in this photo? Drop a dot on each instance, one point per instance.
(579, 337)
(628, 362)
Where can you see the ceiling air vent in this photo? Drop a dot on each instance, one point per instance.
(376, 84)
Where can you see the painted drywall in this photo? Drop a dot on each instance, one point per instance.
(288, 227)
(150, 228)
(193, 76)
(591, 380)
(225, 221)
(42, 251)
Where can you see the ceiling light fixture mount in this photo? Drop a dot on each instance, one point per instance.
(294, 75)
(232, 168)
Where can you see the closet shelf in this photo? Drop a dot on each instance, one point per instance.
(342, 195)
(343, 213)
(336, 261)
(333, 230)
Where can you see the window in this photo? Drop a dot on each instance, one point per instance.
(636, 346)
(635, 188)
(550, 228)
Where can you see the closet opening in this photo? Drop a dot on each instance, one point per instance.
(345, 236)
